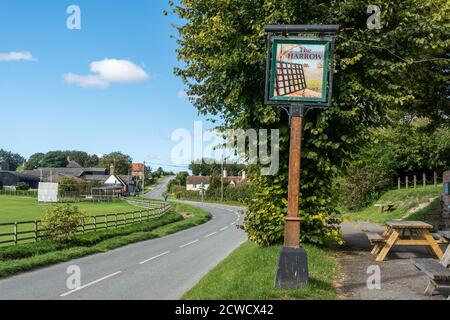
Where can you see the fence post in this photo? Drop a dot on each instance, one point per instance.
(95, 223)
(407, 182)
(415, 181)
(140, 217)
(115, 220)
(15, 232)
(83, 226)
(399, 183)
(36, 231)
(424, 180)
(435, 179)
(106, 221)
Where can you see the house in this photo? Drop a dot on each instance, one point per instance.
(10, 179)
(193, 183)
(138, 170)
(125, 183)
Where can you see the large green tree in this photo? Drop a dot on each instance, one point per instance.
(14, 160)
(121, 161)
(222, 50)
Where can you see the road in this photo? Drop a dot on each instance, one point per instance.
(157, 191)
(158, 269)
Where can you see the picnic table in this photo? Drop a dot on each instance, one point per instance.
(404, 233)
(388, 207)
(437, 271)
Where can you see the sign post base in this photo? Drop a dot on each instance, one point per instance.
(292, 271)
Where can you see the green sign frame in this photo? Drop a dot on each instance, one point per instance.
(326, 44)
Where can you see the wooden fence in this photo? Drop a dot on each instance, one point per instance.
(416, 181)
(29, 193)
(32, 231)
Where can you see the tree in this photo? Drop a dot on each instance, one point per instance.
(121, 161)
(35, 161)
(209, 167)
(14, 160)
(55, 159)
(223, 46)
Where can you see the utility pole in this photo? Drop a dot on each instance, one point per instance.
(221, 178)
(143, 181)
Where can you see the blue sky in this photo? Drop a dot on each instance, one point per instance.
(41, 110)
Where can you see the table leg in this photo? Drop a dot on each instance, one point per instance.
(433, 244)
(389, 244)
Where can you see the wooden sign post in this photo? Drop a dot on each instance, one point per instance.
(299, 76)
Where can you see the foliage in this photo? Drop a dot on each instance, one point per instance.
(222, 48)
(22, 186)
(210, 167)
(61, 222)
(406, 149)
(121, 162)
(58, 159)
(178, 182)
(14, 160)
(35, 161)
(68, 184)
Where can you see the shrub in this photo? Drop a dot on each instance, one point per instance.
(22, 186)
(61, 222)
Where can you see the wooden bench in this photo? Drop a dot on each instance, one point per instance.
(437, 271)
(377, 240)
(385, 207)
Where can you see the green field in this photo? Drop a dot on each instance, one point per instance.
(249, 274)
(27, 209)
(404, 200)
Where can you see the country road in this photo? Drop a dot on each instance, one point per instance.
(158, 269)
(157, 191)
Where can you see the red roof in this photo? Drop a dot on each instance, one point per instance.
(137, 167)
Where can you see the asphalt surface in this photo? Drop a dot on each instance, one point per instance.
(157, 191)
(158, 269)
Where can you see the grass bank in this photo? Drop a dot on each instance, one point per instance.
(249, 273)
(27, 257)
(405, 201)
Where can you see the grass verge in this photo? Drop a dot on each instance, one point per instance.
(249, 273)
(404, 200)
(27, 257)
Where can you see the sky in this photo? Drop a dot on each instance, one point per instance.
(108, 86)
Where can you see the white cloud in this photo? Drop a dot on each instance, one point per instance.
(182, 94)
(16, 56)
(108, 71)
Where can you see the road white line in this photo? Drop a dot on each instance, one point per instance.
(91, 283)
(188, 244)
(232, 224)
(155, 257)
(211, 234)
(224, 228)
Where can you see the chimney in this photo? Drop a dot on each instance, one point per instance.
(112, 169)
(244, 175)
